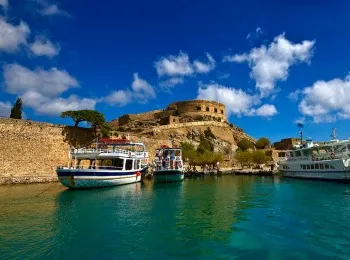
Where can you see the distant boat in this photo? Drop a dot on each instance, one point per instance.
(108, 162)
(168, 165)
(328, 161)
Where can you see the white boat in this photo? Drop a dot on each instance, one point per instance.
(109, 162)
(326, 161)
(168, 165)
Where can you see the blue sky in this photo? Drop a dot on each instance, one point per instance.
(272, 63)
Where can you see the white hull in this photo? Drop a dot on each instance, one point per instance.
(341, 175)
(81, 182)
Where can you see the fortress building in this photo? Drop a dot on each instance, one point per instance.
(174, 113)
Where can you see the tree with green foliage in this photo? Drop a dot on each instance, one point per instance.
(16, 111)
(205, 145)
(259, 157)
(92, 117)
(245, 144)
(244, 158)
(262, 143)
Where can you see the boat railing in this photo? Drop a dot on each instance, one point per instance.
(321, 157)
(115, 151)
(92, 167)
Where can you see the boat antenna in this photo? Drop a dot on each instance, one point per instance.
(333, 135)
(300, 126)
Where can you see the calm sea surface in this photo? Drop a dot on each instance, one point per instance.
(228, 217)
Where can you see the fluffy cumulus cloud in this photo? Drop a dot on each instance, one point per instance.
(237, 101)
(53, 82)
(5, 109)
(119, 97)
(177, 67)
(325, 101)
(266, 110)
(270, 64)
(12, 36)
(141, 92)
(4, 4)
(44, 47)
(41, 89)
(51, 9)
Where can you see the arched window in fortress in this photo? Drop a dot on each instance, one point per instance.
(199, 108)
(215, 110)
(222, 111)
(207, 109)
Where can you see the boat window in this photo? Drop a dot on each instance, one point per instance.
(307, 152)
(135, 165)
(301, 166)
(316, 166)
(321, 166)
(312, 166)
(304, 166)
(332, 167)
(128, 164)
(118, 163)
(308, 167)
(326, 166)
(291, 154)
(297, 153)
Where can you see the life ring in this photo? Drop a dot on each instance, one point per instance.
(332, 155)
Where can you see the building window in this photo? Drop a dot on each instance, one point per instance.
(215, 110)
(174, 120)
(199, 108)
(207, 109)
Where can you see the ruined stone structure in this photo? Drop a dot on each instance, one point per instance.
(174, 113)
(31, 151)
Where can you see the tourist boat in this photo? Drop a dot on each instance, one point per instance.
(168, 165)
(107, 162)
(326, 161)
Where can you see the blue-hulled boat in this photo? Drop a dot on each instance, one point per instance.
(108, 162)
(168, 165)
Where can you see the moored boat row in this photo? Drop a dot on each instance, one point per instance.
(109, 162)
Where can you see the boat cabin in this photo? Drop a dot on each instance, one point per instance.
(167, 158)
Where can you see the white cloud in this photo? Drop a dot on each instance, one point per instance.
(175, 66)
(41, 89)
(224, 76)
(53, 82)
(52, 9)
(5, 109)
(201, 67)
(270, 64)
(325, 101)
(12, 36)
(236, 100)
(142, 90)
(4, 4)
(44, 47)
(264, 111)
(295, 95)
(171, 82)
(119, 97)
(54, 106)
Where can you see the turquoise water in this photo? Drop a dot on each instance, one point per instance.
(230, 217)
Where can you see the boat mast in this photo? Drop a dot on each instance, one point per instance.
(333, 135)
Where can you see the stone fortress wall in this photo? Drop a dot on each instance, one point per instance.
(31, 151)
(174, 113)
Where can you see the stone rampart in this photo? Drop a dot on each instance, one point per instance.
(30, 151)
